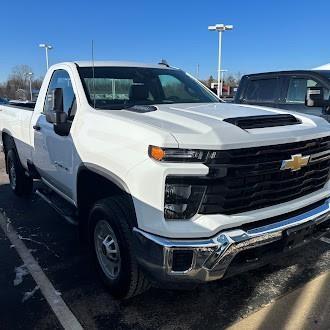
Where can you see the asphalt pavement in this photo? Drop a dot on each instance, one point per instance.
(55, 245)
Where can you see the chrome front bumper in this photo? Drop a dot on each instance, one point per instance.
(212, 257)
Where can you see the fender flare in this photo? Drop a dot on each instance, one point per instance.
(110, 176)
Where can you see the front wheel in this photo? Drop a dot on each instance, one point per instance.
(111, 235)
(21, 184)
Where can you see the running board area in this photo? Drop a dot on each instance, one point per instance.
(61, 206)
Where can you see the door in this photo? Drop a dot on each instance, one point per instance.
(295, 94)
(54, 154)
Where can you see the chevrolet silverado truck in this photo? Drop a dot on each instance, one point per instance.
(169, 184)
(285, 90)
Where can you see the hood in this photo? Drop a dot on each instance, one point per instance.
(204, 125)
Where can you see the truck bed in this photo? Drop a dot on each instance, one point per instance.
(15, 121)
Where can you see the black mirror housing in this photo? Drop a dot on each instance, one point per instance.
(315, 97)
(57, 116)
(58, 100)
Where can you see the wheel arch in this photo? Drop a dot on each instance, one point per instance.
(95, 183)
(8, 143)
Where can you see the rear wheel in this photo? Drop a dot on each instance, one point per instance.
(21, 184)
(111, 235)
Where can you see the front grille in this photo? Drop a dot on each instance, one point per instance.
(247, 179)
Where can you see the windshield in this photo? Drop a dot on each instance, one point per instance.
(124, 87)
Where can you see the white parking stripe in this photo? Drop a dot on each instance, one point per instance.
(59, 307)
(325, 240)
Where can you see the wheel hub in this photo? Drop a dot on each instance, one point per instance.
(107, 249)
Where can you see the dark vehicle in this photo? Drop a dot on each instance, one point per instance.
(285, 90)
(22, 104)
(3, 101)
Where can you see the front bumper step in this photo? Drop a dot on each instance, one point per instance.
(211, 258)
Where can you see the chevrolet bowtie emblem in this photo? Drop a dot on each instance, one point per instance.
(295, 163)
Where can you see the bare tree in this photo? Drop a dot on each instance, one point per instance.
(18, 82)
(19, 72)
(233, 80)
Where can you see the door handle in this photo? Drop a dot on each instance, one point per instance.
(36, 127)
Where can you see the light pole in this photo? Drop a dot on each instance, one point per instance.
(47, 47)
(220, 28)
(29, 76)
(222, 72)
(197, 71)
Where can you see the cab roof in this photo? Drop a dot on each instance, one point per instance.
(119, 64)
(322, 72)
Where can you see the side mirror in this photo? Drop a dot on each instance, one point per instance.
(58, 104)
(315, 97)
(57, 116)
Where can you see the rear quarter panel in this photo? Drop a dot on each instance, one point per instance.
(15, 121)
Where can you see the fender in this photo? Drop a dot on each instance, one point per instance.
(106, 174)
(88, 200)
(4, 132)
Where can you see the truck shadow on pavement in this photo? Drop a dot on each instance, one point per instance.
(64, 259)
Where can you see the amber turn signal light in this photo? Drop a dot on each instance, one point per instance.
(156, 153)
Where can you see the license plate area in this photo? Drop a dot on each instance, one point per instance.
(299, 235)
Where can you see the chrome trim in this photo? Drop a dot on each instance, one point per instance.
(212, 256)
(293, 221)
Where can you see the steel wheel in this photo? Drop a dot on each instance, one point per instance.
(107, 249)
(112, 240)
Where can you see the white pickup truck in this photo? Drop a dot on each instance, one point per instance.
(170, 185)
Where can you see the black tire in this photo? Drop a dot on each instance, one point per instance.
(116, 212)
(21, 184)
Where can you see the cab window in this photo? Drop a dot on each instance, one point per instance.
(61, 79)
(297, 90)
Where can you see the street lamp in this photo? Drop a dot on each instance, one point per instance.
(29, 76)
(222, 73)
(220, 28)
(47, 47)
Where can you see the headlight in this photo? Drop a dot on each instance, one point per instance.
(177, 155)
(182, 201)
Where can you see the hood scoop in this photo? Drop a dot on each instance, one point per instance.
(263, 121)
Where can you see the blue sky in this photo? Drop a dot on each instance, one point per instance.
(267, 35)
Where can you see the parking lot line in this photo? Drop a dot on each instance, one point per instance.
(303, 308)
(57, 304)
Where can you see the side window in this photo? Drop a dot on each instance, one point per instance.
(262, 90)
(297, 90)
(61, 79)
